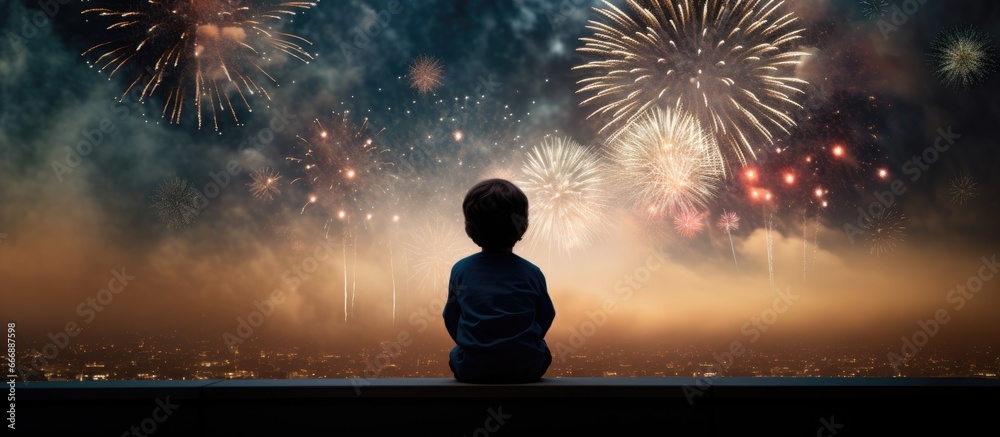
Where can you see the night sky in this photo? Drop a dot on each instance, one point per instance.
(508, 84)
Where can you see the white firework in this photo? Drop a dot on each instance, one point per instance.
(731, 63)
(431, 251)
(176, 202)
(567, 194)
(666, 164)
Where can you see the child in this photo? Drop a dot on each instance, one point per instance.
(498, 307)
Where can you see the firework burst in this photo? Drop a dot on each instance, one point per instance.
(689, 223)
(264, 183)
(874, 8)
(667, 164)
(565, 184)
(730, 63)
(426, 74)
(431, 251)
(963, 189)
(346, 169)
(886, 230)
(210, 51)
(728, 221)
(175, 202)
(962, 57)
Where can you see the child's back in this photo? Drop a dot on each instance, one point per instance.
(498, 307)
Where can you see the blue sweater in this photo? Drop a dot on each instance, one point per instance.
(498, 312)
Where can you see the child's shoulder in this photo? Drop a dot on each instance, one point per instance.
(506, 260)
(527, 264)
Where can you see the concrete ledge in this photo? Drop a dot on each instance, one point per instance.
(438, 406)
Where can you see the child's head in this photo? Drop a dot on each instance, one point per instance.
(496, 214)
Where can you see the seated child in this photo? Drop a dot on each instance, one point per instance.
(498, 308)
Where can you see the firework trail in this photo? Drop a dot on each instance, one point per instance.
(805, 245)
(175, 202)
(874, 8)
(769, 238)
(426, 74)
(343, 244)
(885, 231)
(815, 239)
(392, 270)
(264, 183)
(208, 50)
(354, 271)
(730, 222)
(962, 57)
(565, 185)
(666, 164)
(406, 274)
(963, 188)
(729, 62)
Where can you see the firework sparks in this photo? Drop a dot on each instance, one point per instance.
(431, 252)
(667, 163)
(886, 230)
(769, 241)
(815, 239)
(176, 201)
(343, 244)
(264, 183)
(392, 271)
(426, 74)
(210, 50)
(962, 57)
(874, 8)
(730, 63)
(963, 189)
(345, 168)
(566, 189)
(806, 264)
(729, 222)
(689, 223)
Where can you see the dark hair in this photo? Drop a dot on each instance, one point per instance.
(496, 214)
